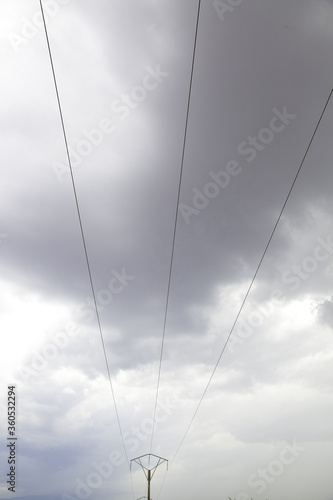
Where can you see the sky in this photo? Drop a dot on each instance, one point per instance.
(261, 78)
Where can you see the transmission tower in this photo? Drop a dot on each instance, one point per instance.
(149, 471)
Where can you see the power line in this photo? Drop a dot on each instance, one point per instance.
(161, 487)
(176, 220)
(173, 241)
(81, 227)
(254, 277)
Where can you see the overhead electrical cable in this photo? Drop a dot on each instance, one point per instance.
(253, 279)
(81, 229)
(175, 223)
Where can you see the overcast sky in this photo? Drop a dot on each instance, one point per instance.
(262, 75)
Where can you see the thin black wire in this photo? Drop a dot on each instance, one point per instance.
(81, 227)
(132, 487)
(176, 220)
(254, 277)
(164, 478)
